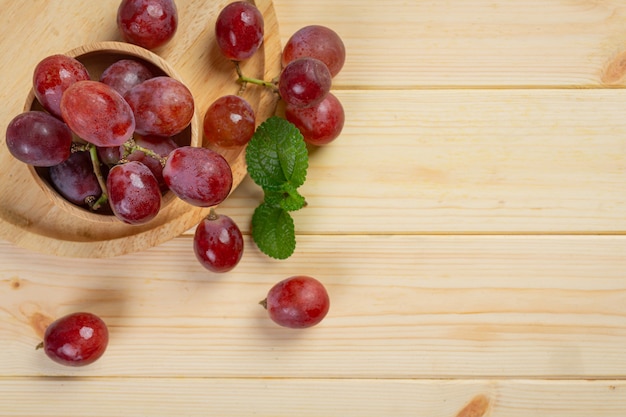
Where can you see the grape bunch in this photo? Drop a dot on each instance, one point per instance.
(310, 59)
(108, 143)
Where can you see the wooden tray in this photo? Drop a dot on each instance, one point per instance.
(30, 219)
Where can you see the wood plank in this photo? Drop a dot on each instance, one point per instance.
(496, 161)
(300, 397)
(478, 43)
(441, 306)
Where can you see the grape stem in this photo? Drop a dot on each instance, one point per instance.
(95, 162)
(272, 85)
(131, 146)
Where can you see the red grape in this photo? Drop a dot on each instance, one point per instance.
(97, 113)
(304, 82)
(239, 30)
(76, 339)
(39, 139)
(147, 23)
(319, 124)
(318, 42)
(109, 155)
(52, 76)
(162, 106)
(124, 74)
(75, 179)
(218, 243)
(229, 122)
(297, 302)
(199, 176)
(134, 193)
(161, 146)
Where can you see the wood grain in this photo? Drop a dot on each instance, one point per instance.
(401, 44)
(308, 398)
(469, 224)
(442, 306)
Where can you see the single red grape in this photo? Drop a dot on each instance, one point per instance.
(162, 106)
(319, 124)
(76, 339)
(134, 193)
(124, 74)
(52, 76)
(229, 122)
(147, 23)
(304, 82)
(218, 243)
(318, 42)
(75, 179)
(39, 139)
(97, 113)
(297, 302)
(198, 176)
(239, 30)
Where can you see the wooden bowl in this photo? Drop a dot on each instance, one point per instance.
(34, 216)
(97, 57)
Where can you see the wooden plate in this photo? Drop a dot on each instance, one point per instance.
(29, 218)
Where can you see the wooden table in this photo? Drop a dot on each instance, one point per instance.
(469, 225)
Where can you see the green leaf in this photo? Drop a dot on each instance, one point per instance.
(277, 154)
(288, 198)
(273, 231)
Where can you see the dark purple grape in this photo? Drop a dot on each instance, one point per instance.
(97, 113)
(297, 302)
(124, 74)
(218, 243)
(304, 82)
(162, 106)
(319, 124)
(76, 339)
(52, 76)
(147, 23)
(239, 30)
(39, 139)
(109, 155)
(229, 122)
(75, 179)
(134, 193)
(198, 176)
(318, 42)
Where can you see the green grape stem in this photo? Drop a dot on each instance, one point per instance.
(272, 85)
(95, 162)
(131, 146)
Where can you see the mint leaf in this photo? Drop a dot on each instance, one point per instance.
(288, 198)
(277, 154)
(273, 231)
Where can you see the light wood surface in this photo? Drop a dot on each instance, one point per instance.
(469, 224)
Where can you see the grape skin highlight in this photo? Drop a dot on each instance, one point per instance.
(319, 124)
(52, 76)
(39, 139)
(239, 30)
(147, 23)
(198, 176)
(318, 42)
(134, 193)
(229, 122)
(77, 339)
(297, 302)
(218, 243)
(304, 82)
(97, 113)
(162, 106)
